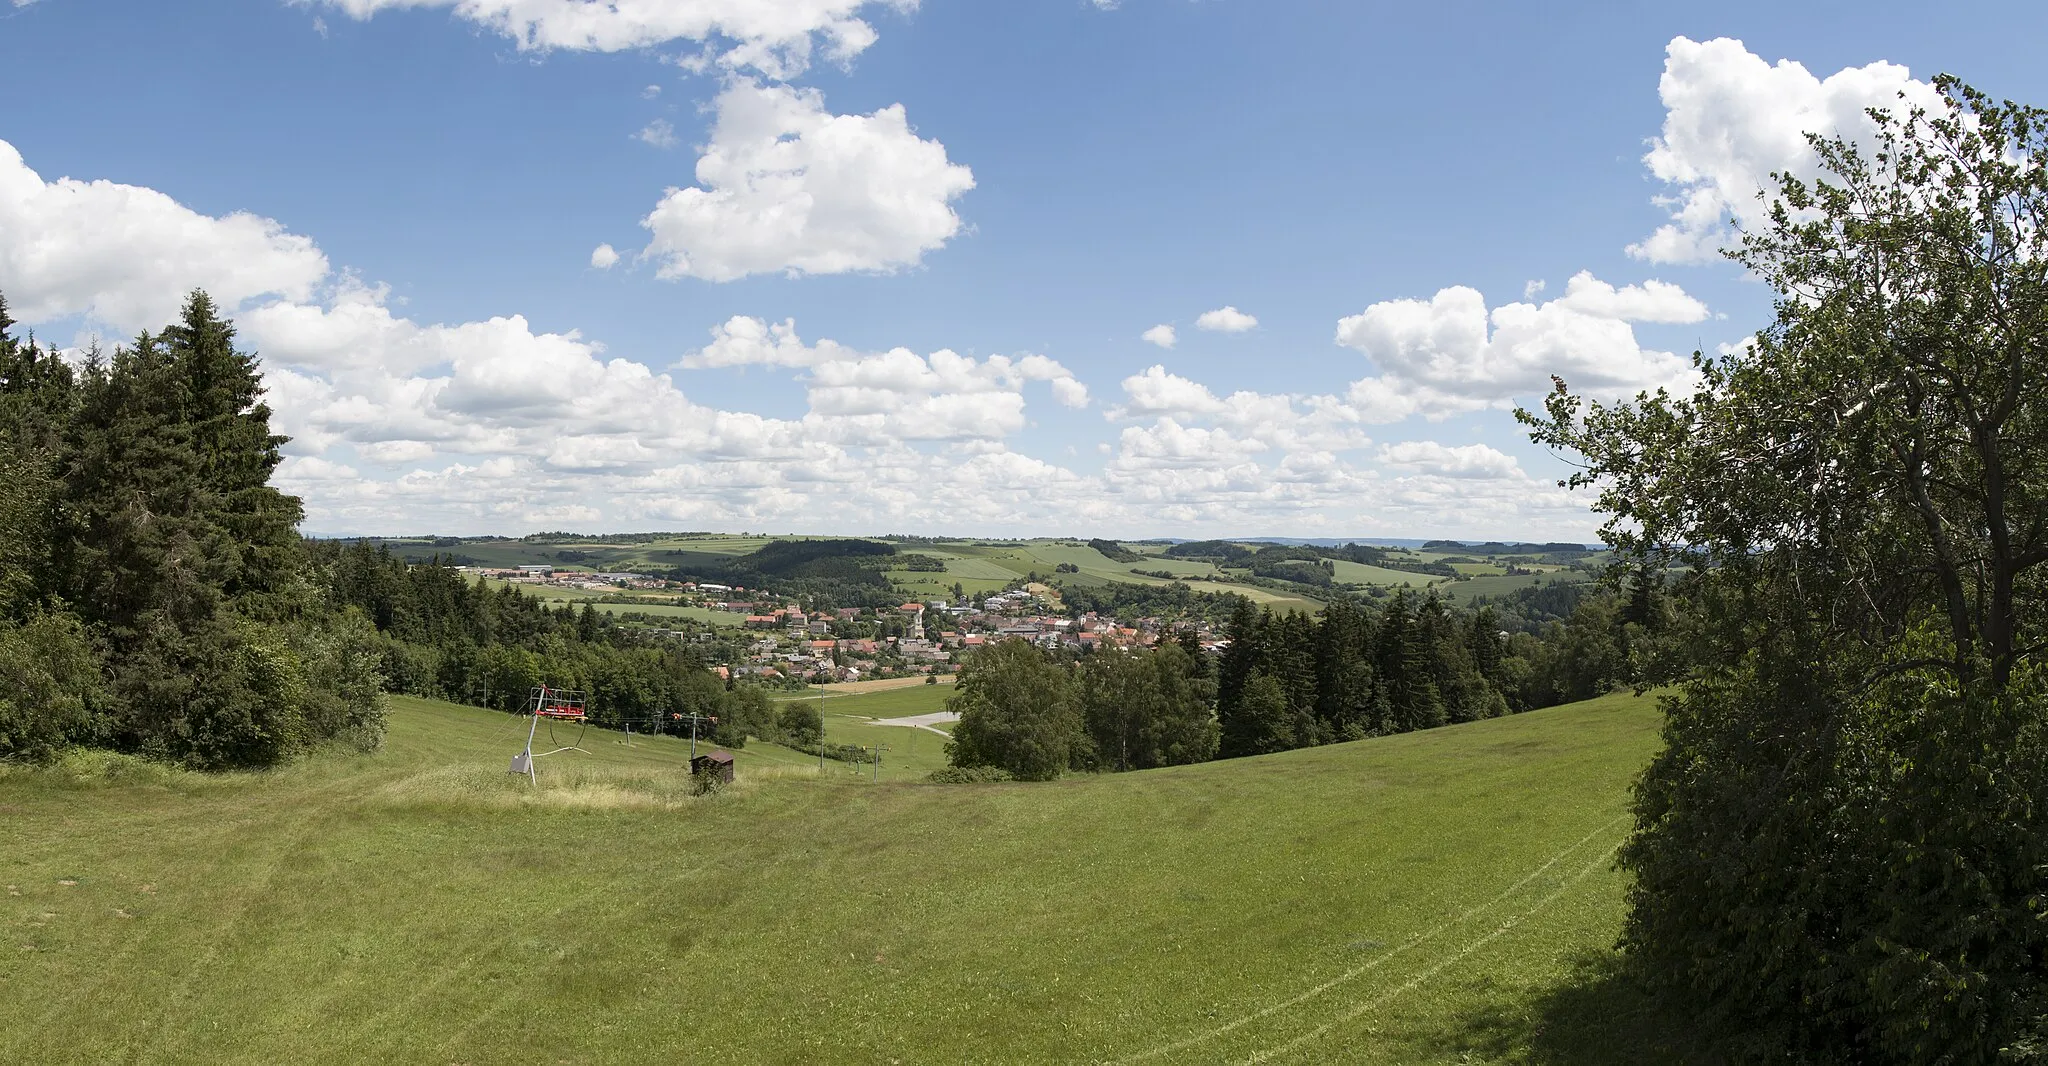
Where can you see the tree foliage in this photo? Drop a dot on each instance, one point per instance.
(1841, 851)
(442, 635)
(1017, 712)
(152, 581)
(1357, 672)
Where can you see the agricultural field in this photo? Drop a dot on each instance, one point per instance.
(1445, 896)
(656, 607)
(1363, 574)
(989, 566)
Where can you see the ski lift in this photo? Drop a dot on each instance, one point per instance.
(554, 705)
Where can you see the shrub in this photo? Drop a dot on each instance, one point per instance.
(51, 679)
(803, 725)
(969, 775)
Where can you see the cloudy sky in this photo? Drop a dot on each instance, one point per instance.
(1137, 268)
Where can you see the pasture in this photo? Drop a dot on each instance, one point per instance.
(1445, 896)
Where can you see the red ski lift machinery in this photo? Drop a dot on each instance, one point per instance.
(552, 705)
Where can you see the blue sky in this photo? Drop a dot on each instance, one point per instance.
(379, 187)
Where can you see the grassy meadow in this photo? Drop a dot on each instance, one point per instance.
(912, 751)
(1445, 896)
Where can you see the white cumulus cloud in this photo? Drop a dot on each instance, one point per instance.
(604, 257)
(1732, 119)
(1463, 461)
(125, 256)
(495, 425)
(745, 341)
(1161, 335)
(943, 395)
(1225, 320)
(1448, 354)
(775, 37)
(785, 186)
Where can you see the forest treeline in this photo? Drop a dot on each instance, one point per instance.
(157, 598)
(154, 592)
(1291, 680)
(441, 635)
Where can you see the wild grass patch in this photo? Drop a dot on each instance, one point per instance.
(87, 768)
(568, 786)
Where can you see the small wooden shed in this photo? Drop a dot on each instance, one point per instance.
(713, 762)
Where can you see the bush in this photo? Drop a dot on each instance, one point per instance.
(344, 667)
(969, 775)
(803, 725)
(1856, 879)
(49, 687)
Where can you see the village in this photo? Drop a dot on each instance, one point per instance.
(785, 643)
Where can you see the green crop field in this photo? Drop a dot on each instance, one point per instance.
(1363, 574)
(654, 608)
(1446, 896)
(720, 619)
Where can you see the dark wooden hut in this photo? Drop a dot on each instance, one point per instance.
(713, 762)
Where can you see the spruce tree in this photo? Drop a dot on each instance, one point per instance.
(235, 452)
(1263, 722)
(1404, 660)
(37, 395)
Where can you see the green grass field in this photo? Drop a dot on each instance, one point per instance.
(560, 594)
(1363, 574)
(914, 752)
(1446, 896)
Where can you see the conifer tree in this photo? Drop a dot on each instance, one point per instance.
(235, 454)
(1404, 660)
(1263, 722)
(37, 394)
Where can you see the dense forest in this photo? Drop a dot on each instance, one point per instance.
(824, 573)
(1292, 680)
(155, 596)
(442, 635)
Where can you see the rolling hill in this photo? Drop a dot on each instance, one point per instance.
(1434, 897)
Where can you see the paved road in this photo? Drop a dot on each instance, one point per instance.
(921, 721)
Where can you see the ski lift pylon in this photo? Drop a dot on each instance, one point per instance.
(555, 705)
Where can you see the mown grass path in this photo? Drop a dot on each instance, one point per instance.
(1410, 899)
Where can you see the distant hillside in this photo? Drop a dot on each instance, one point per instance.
(849, 572)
